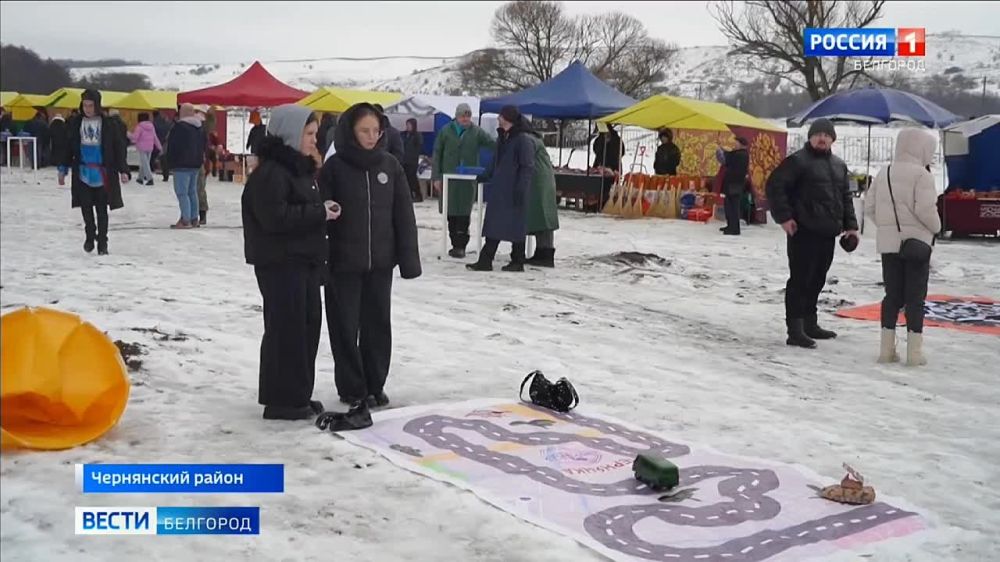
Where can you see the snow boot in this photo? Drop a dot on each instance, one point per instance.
(102, 245)
(316, 406)
(88, 245)
(813, 330)
(514, 266)
(887, 349)
(203, 217)
(357, 417)
(796, 334)
(288, 413)
(915, 349)
(544, 257)
(181, 224)
(379, 400)
(457, 253)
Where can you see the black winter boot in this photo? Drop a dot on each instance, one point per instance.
(813, 330)
(357, 417)
(379, 400)
(796, 334)
(203, 216)
(544, 257)
(288, 413)
(516, 258)
(88, 245)
(485, 261)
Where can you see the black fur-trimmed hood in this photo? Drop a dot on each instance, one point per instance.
(273, 149)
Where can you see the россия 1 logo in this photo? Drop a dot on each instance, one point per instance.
(865, 42)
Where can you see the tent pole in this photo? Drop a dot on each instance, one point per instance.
(243, 144)
(590, 123)
(560, 141)
(868, 168)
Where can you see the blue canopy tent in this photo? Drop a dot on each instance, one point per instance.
(970, 152)
(574, 93)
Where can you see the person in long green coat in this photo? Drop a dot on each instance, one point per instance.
(543, 218)
(458, 144)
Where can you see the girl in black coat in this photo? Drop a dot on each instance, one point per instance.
(377, 232)
(285, 241)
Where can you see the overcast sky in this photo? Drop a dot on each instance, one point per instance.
(195, 32)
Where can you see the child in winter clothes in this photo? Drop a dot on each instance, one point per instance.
(145, 140)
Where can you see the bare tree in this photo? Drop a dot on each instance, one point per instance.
(771, 30)
(534, 40)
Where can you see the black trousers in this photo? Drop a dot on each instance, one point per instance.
(905, 287)
(358, 315)
(411, 179)
(458, 230)
(95, 200)
(732, 205)
(491, 246)
(293, 316)
(809, 259)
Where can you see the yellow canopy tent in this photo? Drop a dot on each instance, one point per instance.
(22, 107)
(337, 100)
(7, 97)
(146, 100)
(69, 98)
(663, 111)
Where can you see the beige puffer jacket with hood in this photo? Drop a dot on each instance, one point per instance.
(913, 188)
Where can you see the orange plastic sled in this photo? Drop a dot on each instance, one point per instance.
(935, 305)
(63, 382)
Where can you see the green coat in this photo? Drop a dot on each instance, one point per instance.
(452, 151)
(542, 215)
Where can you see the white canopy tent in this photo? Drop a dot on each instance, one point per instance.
(424, 108)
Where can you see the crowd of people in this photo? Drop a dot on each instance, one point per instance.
(334, 229)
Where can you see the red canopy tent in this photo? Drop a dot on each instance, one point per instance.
(254, 88)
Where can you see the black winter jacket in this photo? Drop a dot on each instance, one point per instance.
(186, 146)
(668, 157)
(283, 213)
(392, 140)
(812, 188)
(59, 141)
(737, 165)
(113, 160)
(377, 228)
(413, 144)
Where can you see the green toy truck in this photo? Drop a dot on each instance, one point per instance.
(655, 472)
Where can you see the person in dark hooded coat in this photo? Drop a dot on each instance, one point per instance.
(284, 233)
(392, 140)
(376, 232)
(510, 178)
(96, 157)
(59, 144)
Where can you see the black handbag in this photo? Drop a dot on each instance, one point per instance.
(911, 249)
(559, 396)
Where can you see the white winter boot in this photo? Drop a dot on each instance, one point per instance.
(915, 350)
(887, 352)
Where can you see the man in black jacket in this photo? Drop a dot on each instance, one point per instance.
(811, 200)
(737, 163)
(668, 155)
(391, 141)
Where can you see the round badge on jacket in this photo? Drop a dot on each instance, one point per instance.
(383, 178)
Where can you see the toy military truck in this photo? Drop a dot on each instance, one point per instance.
(655, 472)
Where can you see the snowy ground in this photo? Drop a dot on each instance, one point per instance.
(691, 347)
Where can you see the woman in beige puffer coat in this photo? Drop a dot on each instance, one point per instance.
(916, 205)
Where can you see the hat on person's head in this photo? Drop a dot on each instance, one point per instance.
(287, 123)
(186, 110)
(822, 126)
(462, 110)
(91, 95)
(743, 141)
(665, 132)
(511, 114)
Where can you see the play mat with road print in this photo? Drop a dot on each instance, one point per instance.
(970, 314)
(572, 474)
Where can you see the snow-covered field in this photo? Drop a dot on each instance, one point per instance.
(691, 346)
